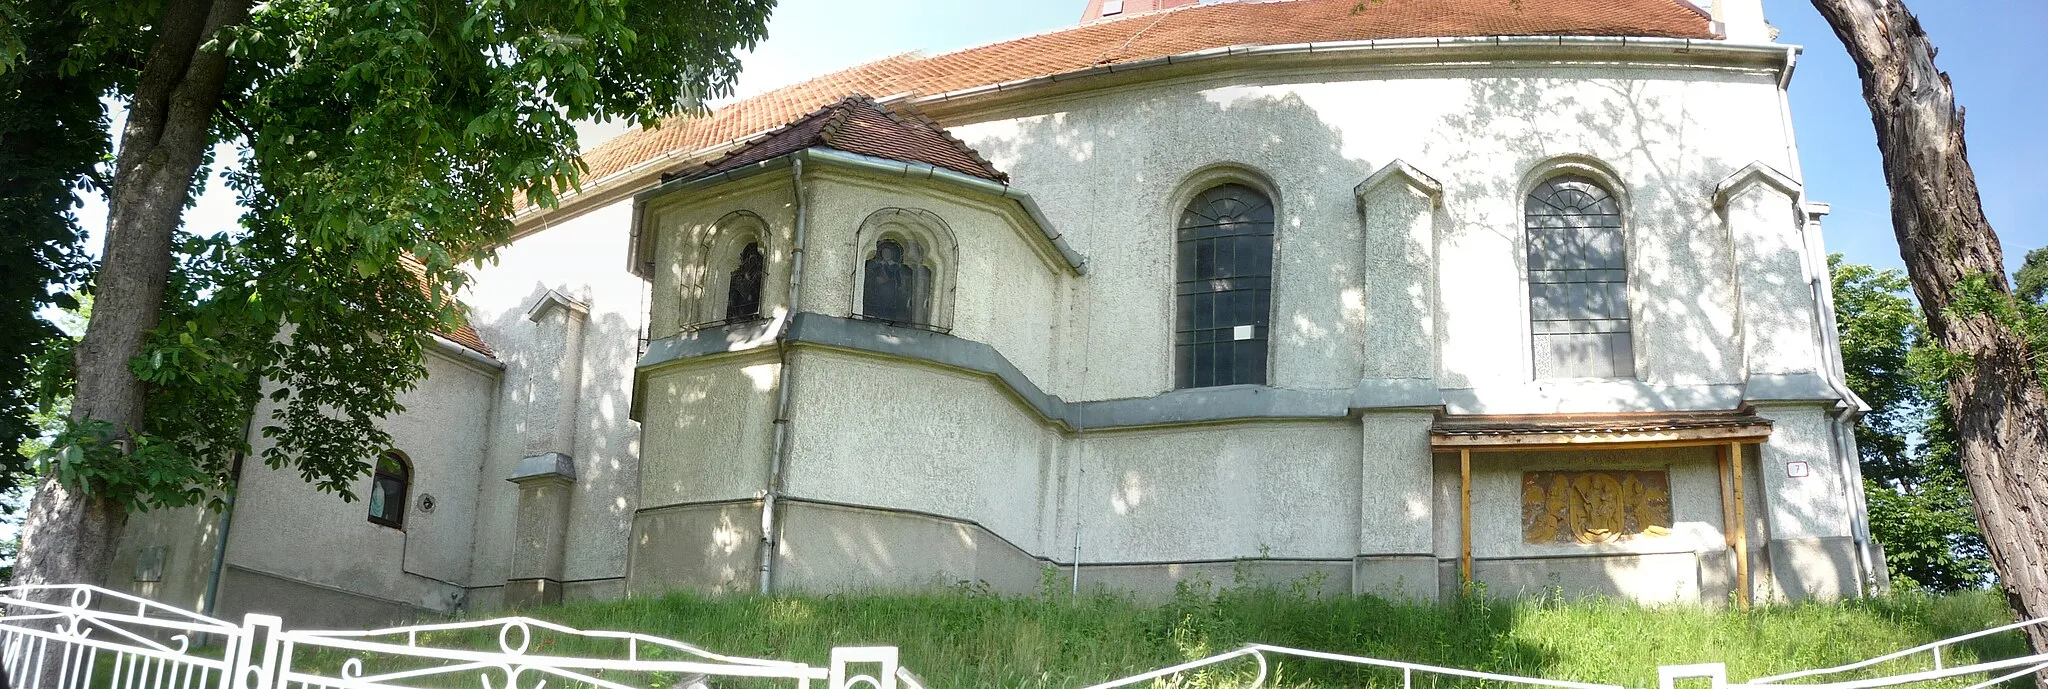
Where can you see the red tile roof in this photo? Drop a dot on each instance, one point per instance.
(857, 124)
(1150, 35)
(462, 334)
(466, 336)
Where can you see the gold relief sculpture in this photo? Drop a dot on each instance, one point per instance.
(1589, 507)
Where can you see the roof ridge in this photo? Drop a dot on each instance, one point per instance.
(839, 111)
(1696, 9)
(907, 57)
(1069, 49)
(1083, 25)
(908, 110)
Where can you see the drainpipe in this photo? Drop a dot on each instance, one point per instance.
(220, 551)
(227, 512)
(782, 390)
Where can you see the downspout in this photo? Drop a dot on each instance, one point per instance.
(1841, 437)
(782, 389)
(227, 511)
(1785, 113)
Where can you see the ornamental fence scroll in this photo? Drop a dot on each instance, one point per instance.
(81, 637)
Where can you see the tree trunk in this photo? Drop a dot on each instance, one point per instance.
(1999, 408)
(69, 536)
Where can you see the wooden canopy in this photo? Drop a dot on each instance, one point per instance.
(1726, 430)
(1539, 432)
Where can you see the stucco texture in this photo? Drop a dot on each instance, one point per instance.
(1396, 296)
(585, 259)
(284, 528)
(1112, 171)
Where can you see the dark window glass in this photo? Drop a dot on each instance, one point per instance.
(743, 294)
(1578, 281)
(898, 283)
(1223, 289)
(388, 489)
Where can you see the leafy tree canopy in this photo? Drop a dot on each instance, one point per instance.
(2031, 283)
(1919, 502)
(52, 134)
(369, 132)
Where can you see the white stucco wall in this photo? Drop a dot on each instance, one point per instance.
(1816, 505)
(687, 228)
(1109, 170)
(1007, 287)
(711, 426)
(285, 527)
(1286, 490)
(1425, 283)
(881, 433)
(585, 258)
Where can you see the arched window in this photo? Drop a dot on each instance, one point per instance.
(743, 292)
(1223, 288)
(1578, 281)
(389, 487)
(897, 286)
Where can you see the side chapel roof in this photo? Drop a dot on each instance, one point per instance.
(1148, 35)
(463, 334)
(857, 124)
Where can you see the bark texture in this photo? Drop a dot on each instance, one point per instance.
(69, 535)
(2000, 411)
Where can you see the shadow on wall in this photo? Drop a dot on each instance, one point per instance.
(1137, 164)
(606, 452)
(1683, 262)
(1681, 255)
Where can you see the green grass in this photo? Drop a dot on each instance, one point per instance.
(968, 638)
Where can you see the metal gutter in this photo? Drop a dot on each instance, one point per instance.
(1687, 46)
(468, 355)
(1075, 261)
(896, 168)
(1691, 46)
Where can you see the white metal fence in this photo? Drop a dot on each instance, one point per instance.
(80, 637)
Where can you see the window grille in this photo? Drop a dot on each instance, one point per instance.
(1223, 288)
(1578, 281)
(388, 489)
(898, 283)
(743, 292)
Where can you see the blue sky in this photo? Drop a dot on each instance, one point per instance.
(1993, 49)
(1995, 53)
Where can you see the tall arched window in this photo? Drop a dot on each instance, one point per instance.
(389, 487)
(1223, 288)
(897, 286)
(743, 292)
(1578, 281)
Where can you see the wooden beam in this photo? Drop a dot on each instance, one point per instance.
(1465, 516)
(1727, 496)
(1742, 587)
(1704, 437)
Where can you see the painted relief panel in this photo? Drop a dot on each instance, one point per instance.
(1587, 507)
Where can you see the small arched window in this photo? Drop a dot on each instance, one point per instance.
(389, 486)
(743, 292)
(897, 282)
(1223, 289)
(1578, 281)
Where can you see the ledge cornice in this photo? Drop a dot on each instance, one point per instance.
(1755, 173)
(1400, 172)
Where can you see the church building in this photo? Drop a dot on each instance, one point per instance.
(1375, 297)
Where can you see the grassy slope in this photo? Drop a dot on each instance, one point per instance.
(965, 639)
